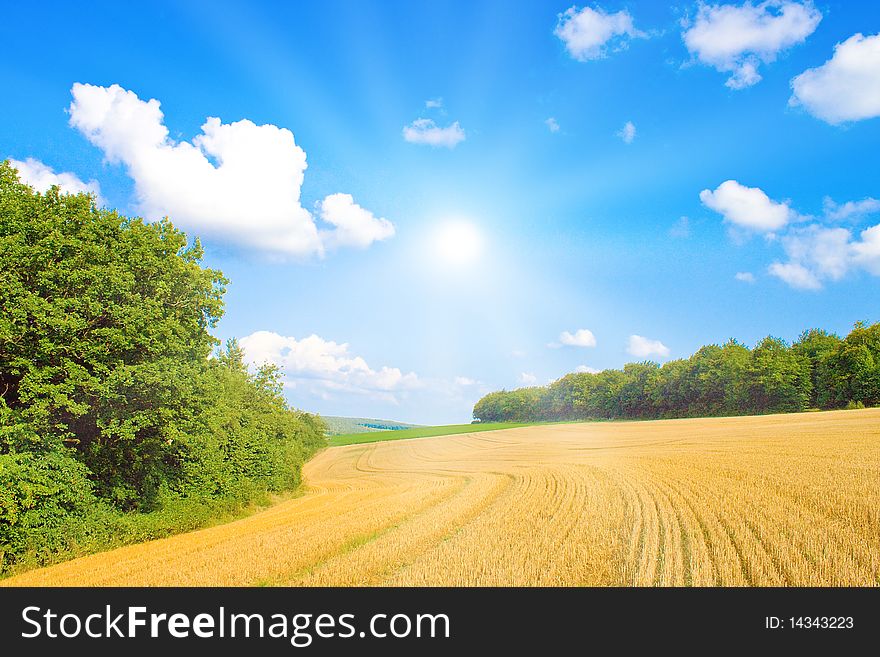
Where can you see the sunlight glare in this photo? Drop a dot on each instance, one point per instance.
(457, 242)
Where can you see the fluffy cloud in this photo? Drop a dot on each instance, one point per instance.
(353, 226)
(425, 131)
(736, 39)
(552, 124)
(745, 277)
(642, 347)
(586, 32)
(580, 338)
(847, 86)
(850, 209)
(41, 177)
(528, 379)
(236, 181)
(434, 103)
(866, 252)
(465, 381)
(627, 132)
(817, 254)
(747, 207)
(324, 366)
(797, 276)
(585, 369)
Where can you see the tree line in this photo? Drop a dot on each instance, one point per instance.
(120, 417)
(819, 371)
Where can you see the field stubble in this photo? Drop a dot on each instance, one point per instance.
(773, 500)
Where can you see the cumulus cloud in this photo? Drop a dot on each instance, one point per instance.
(434, 103)
(425, 131)
(585, 369)
(580, 338)
(846, 87)
(736, 39)
(796, 275)
(747, 207)
(628, 132)
(817, 254)
(642, 347)
(850, 209)
(552, 125)
(353, 226)
(866, 251)
(587, 32)
(528, 379)
(323, 366)
(41, 177)
(745, 276)
(235, 181)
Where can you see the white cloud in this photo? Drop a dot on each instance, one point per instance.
(324, 366)
(681, 229)
(736, 39)
(425, 131)
(817, 254)
(866, 253)
(745, 276)
(354, 226)
(795, 275)
(528, 379)
(587, 32)
(850, 209)
(747, 207)
(627, 132)
(236, 181)
(518, 353)
(585, 369)
(826, 251)
(642, 347)
(41, 177)
(580, 338)
(434, 103)
(552, 125)
(847, 86)
(465, 381)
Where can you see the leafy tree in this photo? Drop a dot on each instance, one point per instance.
(777, 378)
(853, 368)
(110, 399)
(818, 345)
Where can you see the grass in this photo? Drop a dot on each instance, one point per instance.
(420, 432)
(774, 500)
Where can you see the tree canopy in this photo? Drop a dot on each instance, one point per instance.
(113, 394)
(820, 370)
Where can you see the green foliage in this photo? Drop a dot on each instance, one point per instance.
(819, 370)
(111, 407)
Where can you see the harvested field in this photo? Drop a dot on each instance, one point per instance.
(775, 500)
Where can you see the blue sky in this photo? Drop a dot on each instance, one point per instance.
(463, 254)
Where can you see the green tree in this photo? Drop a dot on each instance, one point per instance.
(853, 368)
(777, 378)
(818, 345)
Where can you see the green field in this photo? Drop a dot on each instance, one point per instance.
(422, 432)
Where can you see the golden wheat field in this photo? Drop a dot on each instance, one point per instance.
(773, 500)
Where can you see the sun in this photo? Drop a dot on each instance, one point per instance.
(457, 242)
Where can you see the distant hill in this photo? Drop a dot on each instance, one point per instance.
(337, 426)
